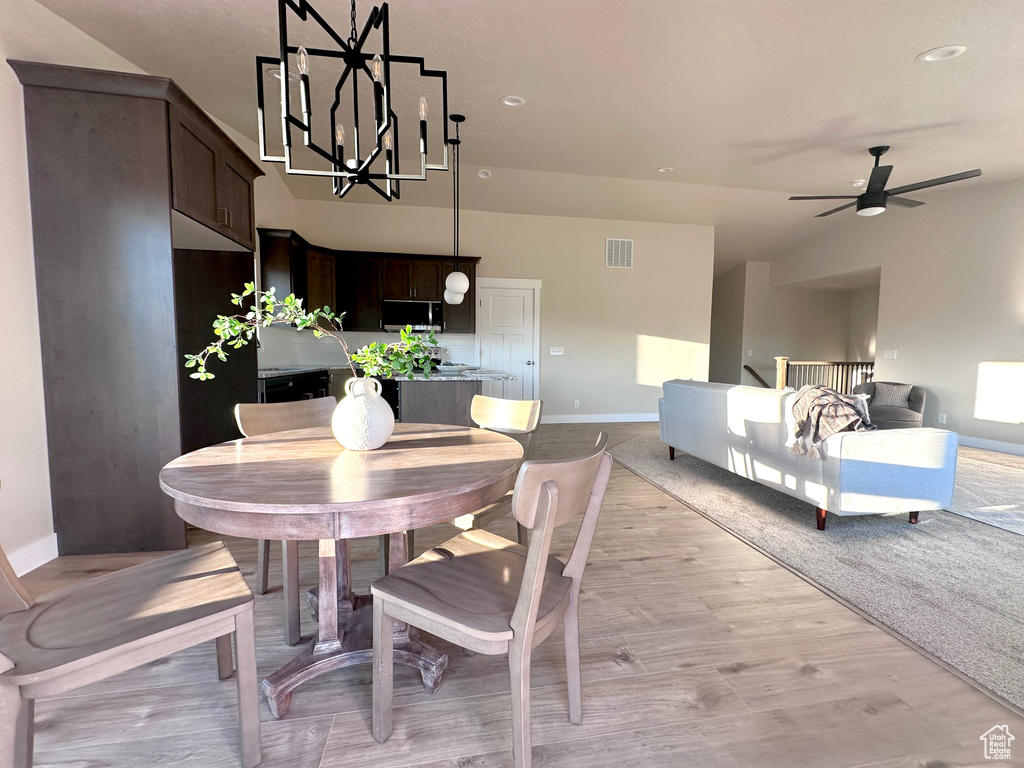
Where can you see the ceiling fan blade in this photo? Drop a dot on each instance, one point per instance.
(902, 201)
(823, 197)
(879, 178)
(936, 182)
(835, 210)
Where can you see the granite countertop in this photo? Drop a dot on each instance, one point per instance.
(435, 375)
(477, 375)
(269, 373)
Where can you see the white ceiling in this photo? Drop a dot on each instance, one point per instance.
(752, 101)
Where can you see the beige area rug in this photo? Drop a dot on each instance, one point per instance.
(949, 584)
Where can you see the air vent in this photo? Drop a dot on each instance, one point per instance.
(618, 254)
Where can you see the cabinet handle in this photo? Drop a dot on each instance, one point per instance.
(229, 218)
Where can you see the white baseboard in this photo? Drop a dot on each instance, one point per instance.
(599, 418)
(992, 445)
(35, 554)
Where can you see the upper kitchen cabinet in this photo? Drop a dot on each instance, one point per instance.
(211, 180)
(289, 264)
(358, 280)
(412, 279)
(111, 156)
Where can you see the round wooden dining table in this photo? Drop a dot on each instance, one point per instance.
(304, 485)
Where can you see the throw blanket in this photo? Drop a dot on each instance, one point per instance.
(821, 412)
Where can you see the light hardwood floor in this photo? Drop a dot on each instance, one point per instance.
(697, 651)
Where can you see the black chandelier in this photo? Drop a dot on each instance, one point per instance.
(347, 159)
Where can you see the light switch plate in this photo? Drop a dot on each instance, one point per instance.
(889, 354)
(558, 350)
(942, 418)
(750, 353)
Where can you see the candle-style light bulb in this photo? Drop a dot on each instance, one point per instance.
(387, 139)
(303, 60)
(423, 107)
(377, 67)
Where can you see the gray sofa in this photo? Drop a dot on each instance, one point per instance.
(891, 416)
(748, 431)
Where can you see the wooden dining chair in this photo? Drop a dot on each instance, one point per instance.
(493, 596)
(518, 418)
(104, 626)
(261, 419)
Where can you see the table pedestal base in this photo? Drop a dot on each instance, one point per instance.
(345, 634)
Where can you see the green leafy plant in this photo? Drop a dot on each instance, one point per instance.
(403, 356)
(235, 331)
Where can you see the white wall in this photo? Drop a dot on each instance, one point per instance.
(624, 331)
(952, 292)
(863, 324)
(727, 353)
(30, 32)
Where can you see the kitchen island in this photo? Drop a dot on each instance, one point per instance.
(443, 398)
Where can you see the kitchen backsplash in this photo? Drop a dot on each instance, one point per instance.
(281, 347)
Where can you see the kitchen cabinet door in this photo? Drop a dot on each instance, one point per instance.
(194, 163)
(426, 280)
(236, 200)
(359, 292)
(396, 279)
(461, 318)
(320, 280)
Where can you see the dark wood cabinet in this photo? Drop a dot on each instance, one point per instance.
(209, 182)
(396, 279)
(356, 282)
(359, 292)
(119, 405)
(289, 264)
(426, 280)
(412, 279)
(461, 318)
(320, 286)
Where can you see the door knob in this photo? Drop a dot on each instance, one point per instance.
(529, 362)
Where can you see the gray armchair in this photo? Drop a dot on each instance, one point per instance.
(891, 416)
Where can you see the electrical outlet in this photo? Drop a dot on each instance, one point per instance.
(942, 418)
(576, 404)
(558, 350)
(889, 354)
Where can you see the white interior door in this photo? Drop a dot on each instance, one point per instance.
(506, 329)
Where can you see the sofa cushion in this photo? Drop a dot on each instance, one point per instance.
(895, 395)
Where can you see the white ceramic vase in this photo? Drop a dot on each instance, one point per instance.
(363, 419)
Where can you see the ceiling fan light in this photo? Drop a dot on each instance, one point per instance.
(872, 210)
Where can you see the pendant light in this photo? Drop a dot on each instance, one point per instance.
(457, 283)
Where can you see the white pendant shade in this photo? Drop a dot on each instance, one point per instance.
(457, 282)
(450, 297)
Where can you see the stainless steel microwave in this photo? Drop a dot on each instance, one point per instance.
(421, 315)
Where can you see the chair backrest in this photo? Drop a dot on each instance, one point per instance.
(915, 401)
(510, 417)
(13, 596)
(549, 494)
(263, 418)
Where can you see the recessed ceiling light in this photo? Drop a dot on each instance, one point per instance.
(484, 173)
(942, 53)
(665, 169)
(513, 101)
(858, 182)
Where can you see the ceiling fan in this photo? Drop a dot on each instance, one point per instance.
(874, 199)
